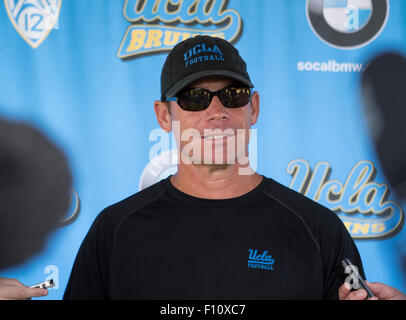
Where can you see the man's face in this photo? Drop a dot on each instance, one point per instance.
(217, 135)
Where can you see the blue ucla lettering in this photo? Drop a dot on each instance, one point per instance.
(359, 193)
(317, 179)
(254, 256)
(201, 48)
(188, 55)
(186, 11)
(151, 37)
(197, 49)
(217, 50)
(299, 169)
(204, 49)
(358, 179)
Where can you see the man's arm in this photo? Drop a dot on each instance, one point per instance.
(337, 244)
(89, 278)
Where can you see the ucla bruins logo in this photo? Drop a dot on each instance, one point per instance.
(33, 19)
(347, 24)
(158, 25)
(362, 204)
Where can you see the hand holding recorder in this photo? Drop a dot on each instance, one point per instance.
(359, 289)
(12, 289)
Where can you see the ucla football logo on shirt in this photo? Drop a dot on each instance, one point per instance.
(33, 19)
(347, 24)
(260, 260)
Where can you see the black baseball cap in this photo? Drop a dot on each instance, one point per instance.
(199, 57)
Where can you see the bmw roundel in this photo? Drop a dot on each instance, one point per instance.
(347, 24)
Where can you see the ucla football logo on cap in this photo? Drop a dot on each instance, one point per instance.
(347, 24)
(33, 19)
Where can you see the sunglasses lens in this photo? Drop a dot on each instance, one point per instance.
(194, 99)
(197, 99)
(234, 97)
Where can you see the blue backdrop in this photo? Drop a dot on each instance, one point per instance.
(87, 73)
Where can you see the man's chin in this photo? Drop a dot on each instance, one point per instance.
(215, 166)
(219, 162)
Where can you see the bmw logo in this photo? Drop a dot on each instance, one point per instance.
(347, 24)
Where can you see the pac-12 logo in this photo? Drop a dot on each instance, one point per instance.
(33, 19)
(347, 24)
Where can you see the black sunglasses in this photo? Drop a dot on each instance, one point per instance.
(198, 99)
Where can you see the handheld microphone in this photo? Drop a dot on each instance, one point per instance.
(359, 282)
(384, 96)
(35, 191)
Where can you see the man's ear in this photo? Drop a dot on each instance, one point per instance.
(163, 115)
(254, 108)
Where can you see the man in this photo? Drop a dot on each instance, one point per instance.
(216, 229)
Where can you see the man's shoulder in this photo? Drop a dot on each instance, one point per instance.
(323, 225)
(299, 204)
(118, 211)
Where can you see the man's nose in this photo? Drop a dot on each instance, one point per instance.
(216, 110)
